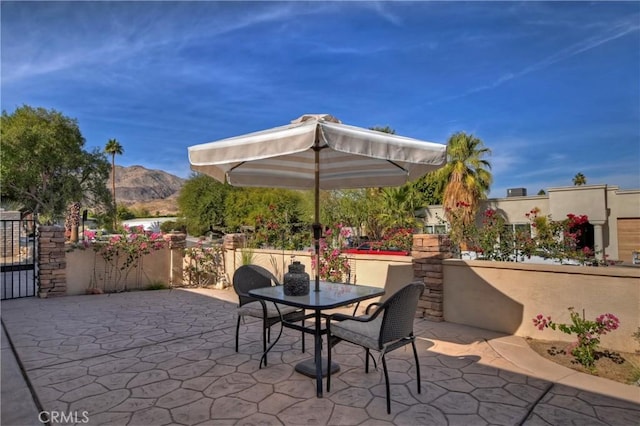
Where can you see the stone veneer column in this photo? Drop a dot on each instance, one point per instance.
(52, 263)
(428, 251)
(177, 243)
(234, 241)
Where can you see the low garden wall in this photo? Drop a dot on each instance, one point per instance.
(372, 270)
(506, 296)
(499, 296)
(86, 271)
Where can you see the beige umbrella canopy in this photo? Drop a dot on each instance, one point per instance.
(317, 151)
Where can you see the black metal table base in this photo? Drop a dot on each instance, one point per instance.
(330, 296)
(308, 367)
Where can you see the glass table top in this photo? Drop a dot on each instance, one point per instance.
(331, 295)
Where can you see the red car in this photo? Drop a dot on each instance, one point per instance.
(374, 248)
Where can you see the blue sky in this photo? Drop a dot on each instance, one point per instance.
(551, 88)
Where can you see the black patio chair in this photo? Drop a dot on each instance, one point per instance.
(249, 277)
(387, 328)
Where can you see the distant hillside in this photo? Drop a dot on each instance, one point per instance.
(155, 190)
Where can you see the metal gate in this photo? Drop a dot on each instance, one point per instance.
(18, 258)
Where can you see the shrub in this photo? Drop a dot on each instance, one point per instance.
(588, 333)
(333, 267)
(400, 238)
(172, 225)
(494, 240)
(206, 265)
(122, 252)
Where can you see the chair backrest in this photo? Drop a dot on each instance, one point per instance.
(249, 277)
(390, 288)
(399, 313)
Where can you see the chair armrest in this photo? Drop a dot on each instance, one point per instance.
(342, 317)
(244, 299)
(366, 311)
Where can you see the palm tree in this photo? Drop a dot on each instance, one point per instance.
(399, 206)
(579, 179)
(112, 148)
(465, 178)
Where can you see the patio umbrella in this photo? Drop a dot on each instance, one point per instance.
(317, 151)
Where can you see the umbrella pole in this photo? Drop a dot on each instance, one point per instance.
(317, 227)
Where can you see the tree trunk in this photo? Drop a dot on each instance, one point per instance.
(113, 187)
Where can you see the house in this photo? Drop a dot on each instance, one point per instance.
(614, 214)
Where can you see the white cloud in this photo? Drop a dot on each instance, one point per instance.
(607, 34)
(384, 11)
(116, 37)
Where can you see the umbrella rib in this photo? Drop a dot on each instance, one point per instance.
(236, 166)
(398, 166)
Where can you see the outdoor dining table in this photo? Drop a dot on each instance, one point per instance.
(329, 296)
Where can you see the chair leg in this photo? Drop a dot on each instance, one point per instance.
(375, 364)
(264, 340)
(237, 332)
(386, 382)
(355, 310)
(415, 355)
(328, 361)
(367, 354)
(302, 323)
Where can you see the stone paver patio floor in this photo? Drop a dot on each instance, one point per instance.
(167, 357)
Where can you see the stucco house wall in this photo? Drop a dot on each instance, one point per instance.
(603, 204)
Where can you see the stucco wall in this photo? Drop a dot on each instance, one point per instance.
(590, 200)
(500, 296)
(625, 203)
(84, 267)
(372, 270)
(505, 296)
(516, 208)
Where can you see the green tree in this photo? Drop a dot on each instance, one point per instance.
(113, 148)
(382, 204)
(44, 164)
(579, 179)
(202, 203)
(349, 207)
(427, 188)
(278, 216)
(466, 177)
(125, 213)
(385, 129)
(364, 210)
(377, 209)
(375, 221)
(400, 204)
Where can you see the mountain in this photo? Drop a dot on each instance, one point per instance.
(142, 188)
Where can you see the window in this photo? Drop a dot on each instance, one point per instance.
(435, 229)
(520, 229)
